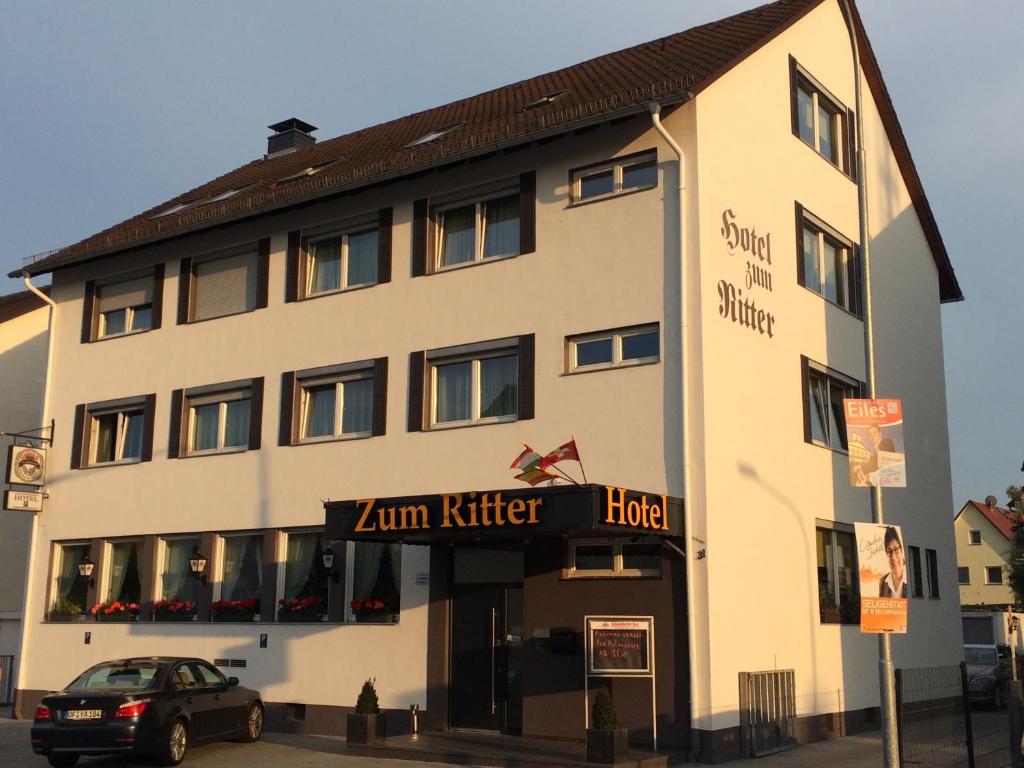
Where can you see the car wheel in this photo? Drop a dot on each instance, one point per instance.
(253, 724)
(175, 744)
(62, 760)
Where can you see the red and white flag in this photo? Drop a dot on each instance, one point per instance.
(561, 453)
(526, 460)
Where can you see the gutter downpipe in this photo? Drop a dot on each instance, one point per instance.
(886, 680)
(684, 282)
(44, 420)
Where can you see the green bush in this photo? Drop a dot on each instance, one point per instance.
(605, 718)
(367, 703)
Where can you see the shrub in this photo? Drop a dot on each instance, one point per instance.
(367, 703)
(605, 718)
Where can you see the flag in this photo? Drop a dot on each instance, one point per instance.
(535, 476)
(526, 460)
(561, 453)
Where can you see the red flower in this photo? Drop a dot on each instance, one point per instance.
(378, 604)
(356, 604)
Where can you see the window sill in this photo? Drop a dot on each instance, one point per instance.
(441, 427)
(338, 291)
(333, 438)
(220, 317)
(607, 576)
(612, 366)
(610, 196)
(126, 334)
(107, 464)
(474, 263)
(214, 452)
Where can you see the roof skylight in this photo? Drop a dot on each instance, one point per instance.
(432, 136)
(545, 100)
(310, 171)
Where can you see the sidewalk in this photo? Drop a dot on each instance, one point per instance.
(864, 749)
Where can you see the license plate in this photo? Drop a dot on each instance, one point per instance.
(85, 714)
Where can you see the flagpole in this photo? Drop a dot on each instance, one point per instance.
(579, 459)
(563, 474)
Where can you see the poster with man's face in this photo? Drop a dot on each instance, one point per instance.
(883, 578)
(874, 438)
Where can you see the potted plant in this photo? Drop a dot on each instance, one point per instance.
(366, 724)
(371, 609)
(234, 610)
(65, 609)
(115, 610)
(607, 741)
(310, 608)
(174, 609)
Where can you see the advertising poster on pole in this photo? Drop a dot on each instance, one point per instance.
(883, 578)
(874, 436)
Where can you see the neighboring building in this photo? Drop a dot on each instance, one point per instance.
(24, 322)
(311, 326)
(983, 535)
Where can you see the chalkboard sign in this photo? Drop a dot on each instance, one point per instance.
(619, 646)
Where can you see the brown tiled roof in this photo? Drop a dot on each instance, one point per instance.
(667, 70)
(16, 304)
(1001, 519)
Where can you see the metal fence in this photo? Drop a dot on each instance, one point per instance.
(6, 681)
(942, 725)
(767, 711)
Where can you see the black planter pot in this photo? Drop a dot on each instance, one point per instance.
(180, 616)
(116, 617)
(65, 618)
(374, 617)
(365, 729)
(607, 746)
(225, 617)
(302, 617)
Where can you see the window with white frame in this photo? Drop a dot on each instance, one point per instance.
(993, 574)
(975, 537)
(177, 582)
(819, 119)
(240, 576)
(306, 586)
(125, 307)
(838, 582)
(469, 232)
(219, 421)
(610, 349)
(116, 434)
(474, 388)
(337, 407)
(342, 260)
(70, 590)
(828, 263)
(225, 285)
(614, 557)
(825, 419)
(615, 177)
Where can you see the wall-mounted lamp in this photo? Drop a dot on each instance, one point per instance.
(85, 569)
(197, 565)
(328, 557)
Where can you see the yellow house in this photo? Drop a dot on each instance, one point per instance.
(983, 533)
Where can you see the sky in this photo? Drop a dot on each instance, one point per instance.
(109, 108)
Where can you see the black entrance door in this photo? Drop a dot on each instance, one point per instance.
(486, 639)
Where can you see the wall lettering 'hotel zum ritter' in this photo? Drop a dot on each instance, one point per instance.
(739, 302)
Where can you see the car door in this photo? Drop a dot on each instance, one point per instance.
(193, 699)
(214, 687)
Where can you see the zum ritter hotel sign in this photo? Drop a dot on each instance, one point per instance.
(504, 513)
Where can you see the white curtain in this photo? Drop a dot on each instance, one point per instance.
(124, 571)
(300, 565)
(325, 269)
(131, 438)
(454, 391)
(357, 406)
(176, 580)
(501, 226)
(243, 569)
(365, 567)
(362, 258)
(498, 386)
(236, 424)
(458, 235)
(320, 404)
(812, 268)
(204, 426)
(819, 408)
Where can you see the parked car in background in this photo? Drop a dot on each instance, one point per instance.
(156, 706)
(987, 673)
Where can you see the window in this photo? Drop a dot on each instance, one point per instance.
(304, 596)
(432, 136)
(123, 306)
(220, 418)
(914, 564)
(838, 585)
(820, 120)
(614, 557)
(975, 537)
(112, 432)
(225, 284)
(176, 580)
(993, 574)
(486, 223)
(931, 558)
(375, 577)
(611, 349)
(828, 263)
(70, 590)
(334, 402)
(240, 578)
(473, 384)
(339, 256)
(963, 575)
(615, 177)
(124, 583)
(824, 417)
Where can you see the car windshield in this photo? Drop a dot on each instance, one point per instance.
(980, 655)
(107, 677)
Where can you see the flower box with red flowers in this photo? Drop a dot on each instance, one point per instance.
(312, 608)
(174, 610)
(372, 610)
(235, 610)
(115, 610)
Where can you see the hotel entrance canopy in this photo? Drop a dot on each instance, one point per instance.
(568, 510)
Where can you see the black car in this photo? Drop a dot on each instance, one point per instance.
(157, 706)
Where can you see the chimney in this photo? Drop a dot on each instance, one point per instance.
(289, 135)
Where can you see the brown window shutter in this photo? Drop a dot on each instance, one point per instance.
(286, 430)
(528, 212)
(185, 287)
(262, 272)
(78, 438)
(794, 115)
(255, 414)
(805, 390)
(384, 246)
(148, 417)
(380, 395)
(178, 426)
(850, 142)
(858, 282)
(801, 277)
(291, 276)
(526, 377)
(417, 364)
(158, 297)
(89, 312)
(420, 236)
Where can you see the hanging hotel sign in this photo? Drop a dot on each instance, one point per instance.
(874, 435)
(883, 578)
(516, 512)
(23, 501)
(26, 466)
(738, 301)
